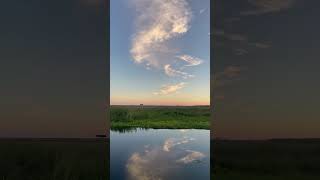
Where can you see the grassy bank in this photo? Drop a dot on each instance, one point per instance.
(160, 117)
(54, 159)
(266, 160)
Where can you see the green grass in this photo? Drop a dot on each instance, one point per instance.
(160, 117)
(59, 159)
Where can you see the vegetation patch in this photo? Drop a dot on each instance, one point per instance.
(160, 117)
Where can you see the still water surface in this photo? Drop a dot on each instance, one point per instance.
(160, 154)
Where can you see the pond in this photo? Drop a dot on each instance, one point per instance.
(160, 154)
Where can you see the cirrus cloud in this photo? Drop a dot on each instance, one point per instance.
(158, 22)
(191, 157)
(156, 163)
(176, 73)
(170, 89)
(192, 61)
(172, 142)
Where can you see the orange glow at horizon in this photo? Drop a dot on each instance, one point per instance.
(173, 101)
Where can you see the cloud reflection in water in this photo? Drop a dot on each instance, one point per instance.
(159, 162)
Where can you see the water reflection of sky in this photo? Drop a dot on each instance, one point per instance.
(160, 154)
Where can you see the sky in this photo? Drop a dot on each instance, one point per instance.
(266, 59)
(160, 52)
(53, 68)
(266, 56)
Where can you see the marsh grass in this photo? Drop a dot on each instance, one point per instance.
(54, 159)
(160, 117)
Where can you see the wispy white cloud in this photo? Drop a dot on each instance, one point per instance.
(158, 22)
(172, 142)
(176, 73)
(170, 89)
(168, 144)
(192, 61)
(139, 167)
(156, 162)
(191, 157)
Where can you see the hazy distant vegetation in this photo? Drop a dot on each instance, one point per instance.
(169, 117)
(61, 159)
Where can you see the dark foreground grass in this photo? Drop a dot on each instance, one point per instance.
(160, 117)
(54, 159)
(266, 160)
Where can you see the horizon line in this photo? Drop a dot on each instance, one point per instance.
(156, 105)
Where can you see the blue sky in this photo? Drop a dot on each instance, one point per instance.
(160, 52)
